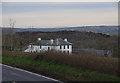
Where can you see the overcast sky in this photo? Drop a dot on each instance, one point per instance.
(60, 14)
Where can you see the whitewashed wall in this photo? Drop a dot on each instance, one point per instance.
(36, 48)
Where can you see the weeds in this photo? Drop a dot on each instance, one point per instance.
(59, 71)
(84, 60)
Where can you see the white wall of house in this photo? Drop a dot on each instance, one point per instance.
(65, 48)
(62, 48)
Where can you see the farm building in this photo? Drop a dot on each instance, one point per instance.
(106, 53)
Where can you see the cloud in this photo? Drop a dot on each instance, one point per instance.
(70, 17)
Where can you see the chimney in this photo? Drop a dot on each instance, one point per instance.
(65, 39)
(39, 39)
(51, 41)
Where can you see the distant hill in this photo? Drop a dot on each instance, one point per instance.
(96, 29)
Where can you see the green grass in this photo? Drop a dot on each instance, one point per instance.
(114, 34)
(59, 71)
(107, 65)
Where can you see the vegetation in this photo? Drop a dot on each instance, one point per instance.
(75, 67)
(61, 71)
(106, 65)
(79, 39)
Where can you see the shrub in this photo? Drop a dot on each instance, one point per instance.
(39, 57)
(16, 54)
(84, 60)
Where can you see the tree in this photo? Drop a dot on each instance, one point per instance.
(12, 24)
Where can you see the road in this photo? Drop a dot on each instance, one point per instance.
(15, 74)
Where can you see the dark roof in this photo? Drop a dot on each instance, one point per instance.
(58, 41)
(92, 51)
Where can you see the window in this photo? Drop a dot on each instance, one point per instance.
(48, 48)
(60, 47)
(68, 46)
(64, 46)
(68, 52)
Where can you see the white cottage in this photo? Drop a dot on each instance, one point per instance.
(46, 45)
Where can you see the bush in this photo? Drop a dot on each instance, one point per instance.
(84, 60)
(39, 57)
(16, 54)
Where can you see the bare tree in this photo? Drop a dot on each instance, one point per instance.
(12, 24)
(30, 35)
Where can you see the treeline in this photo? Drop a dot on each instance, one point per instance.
(78, 39)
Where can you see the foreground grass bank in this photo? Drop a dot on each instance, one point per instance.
(107, 65)
(58, 71)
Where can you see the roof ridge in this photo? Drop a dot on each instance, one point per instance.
(57, 41)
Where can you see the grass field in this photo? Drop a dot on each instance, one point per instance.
(108, 65)
(58, 71)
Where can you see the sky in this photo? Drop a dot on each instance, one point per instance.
(59, 14)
